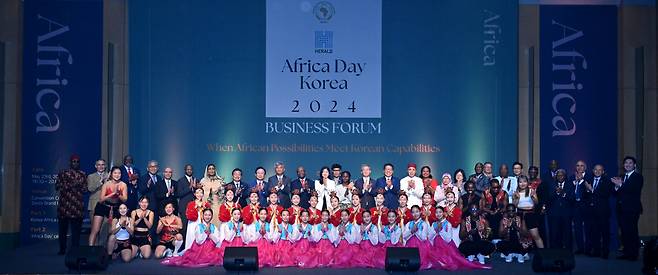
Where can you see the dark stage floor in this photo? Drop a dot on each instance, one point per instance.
(42, 258)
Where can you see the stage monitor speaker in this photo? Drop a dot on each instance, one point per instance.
(402, 259)
(86, 258)
(553, 260)
(241, 258)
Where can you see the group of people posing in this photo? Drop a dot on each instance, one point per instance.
(336, 221)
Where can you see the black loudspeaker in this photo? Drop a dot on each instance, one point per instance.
(241, 258)
(402, 259)
(86, 258)
(553, 260)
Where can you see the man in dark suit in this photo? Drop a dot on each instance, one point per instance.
(185, 191)
(580, 179)
(165, 191)
(130, 176)
(147, 183)
(280, 184)
(549, 176)
(240, 187)
(391, 187)
(366, 187)
(628, 188)
(305, 187)
(260, 185)
(598, 223)
(559, 208)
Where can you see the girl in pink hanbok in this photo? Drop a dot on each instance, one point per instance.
(261, 234)
(415, 234)
(368, 241)
(348, 233)
(324, 235)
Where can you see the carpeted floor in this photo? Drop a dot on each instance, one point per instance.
(42, 258)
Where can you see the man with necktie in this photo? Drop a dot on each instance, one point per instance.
(260, 185)
(559, 208)
(240, 187)
(165, 191)
(580, 180)
(147, 185)
(628, 188)
(390, 186)
(280, 184)
(94, 183)
(598, 214)
(305, 187)
(366, 186)
(130, 176)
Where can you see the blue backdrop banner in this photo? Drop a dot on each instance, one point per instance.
(578, 81)
(248, 83)
(62, 76)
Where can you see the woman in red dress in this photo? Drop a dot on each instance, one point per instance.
(250, 212)
(379, 212)
(334, 212)
(314, 215)
(169, 228)
(114, 192)
(274, 209)
(229, 204)
(427, 210)
(193, 212)
(403, 213)
(295, 210)
(356, 211)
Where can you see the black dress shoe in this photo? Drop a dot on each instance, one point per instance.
(604, 256)
(579, 251)
(61, 252)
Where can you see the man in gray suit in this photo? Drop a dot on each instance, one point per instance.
(94, 183)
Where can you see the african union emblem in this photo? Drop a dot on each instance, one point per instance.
(323, 11)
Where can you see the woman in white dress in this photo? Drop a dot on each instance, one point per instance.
(213, 190)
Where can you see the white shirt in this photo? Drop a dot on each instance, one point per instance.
(369, 181)
(387, 179)
(509, 185)
(415, 194)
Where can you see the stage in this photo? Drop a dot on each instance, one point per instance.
(42, 258)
